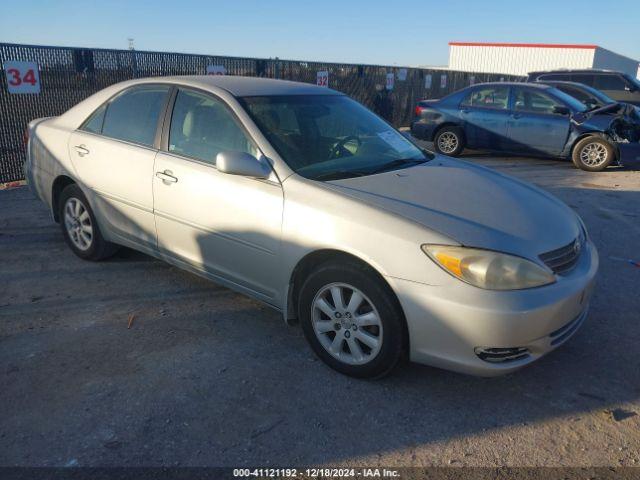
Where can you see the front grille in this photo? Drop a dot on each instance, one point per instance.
(563, 259)
(501, 355)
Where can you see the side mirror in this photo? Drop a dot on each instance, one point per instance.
(242, 163)
(561, 110)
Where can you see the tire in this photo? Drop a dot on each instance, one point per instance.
(593, 154)
(365, 348)
(449, 141)
(80, 228)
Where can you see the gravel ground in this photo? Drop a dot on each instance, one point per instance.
(205, 376)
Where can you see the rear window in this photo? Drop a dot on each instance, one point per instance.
(94, 122)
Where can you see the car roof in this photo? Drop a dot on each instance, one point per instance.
(576, 70)
(248, 86)
(562, 82)
(541, 86)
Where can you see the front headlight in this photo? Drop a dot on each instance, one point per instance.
(488, 269)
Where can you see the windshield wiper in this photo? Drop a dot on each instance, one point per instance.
(338, 175)
(395, 164)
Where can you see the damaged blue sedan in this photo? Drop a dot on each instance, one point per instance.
(531, 119)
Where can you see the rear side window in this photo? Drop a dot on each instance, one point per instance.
(562, 77)
(202, 127)
(94, 122)
(609, 82)
(133, 115)
(488, 97)
(584, 78)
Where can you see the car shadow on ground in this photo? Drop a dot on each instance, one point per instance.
(205, 376)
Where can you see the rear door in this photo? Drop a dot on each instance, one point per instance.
(113, 154)
(485, 115)
(227, 226)
(534, 126)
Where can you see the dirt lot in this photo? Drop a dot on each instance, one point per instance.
(205, 376)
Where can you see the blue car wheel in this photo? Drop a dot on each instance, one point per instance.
(449, 141)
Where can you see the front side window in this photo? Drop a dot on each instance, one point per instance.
(488, 97)
(326, 137)
(609, 82)
(534, 102)
(202, 127)
(133, 115)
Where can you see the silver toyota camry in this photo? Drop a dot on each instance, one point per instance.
(302, 198)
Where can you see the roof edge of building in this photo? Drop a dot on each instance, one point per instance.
(523, 45)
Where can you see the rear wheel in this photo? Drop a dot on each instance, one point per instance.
(351, 320)
(80, 228)
(593, 154)
(449, 141)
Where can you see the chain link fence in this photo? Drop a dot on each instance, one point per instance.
(69, 75)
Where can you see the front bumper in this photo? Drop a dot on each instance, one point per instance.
(448, 324)
(628, 152)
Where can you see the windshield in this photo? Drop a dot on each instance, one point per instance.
(327, 137)
(573, 103)
(587, 95)
(635, 81)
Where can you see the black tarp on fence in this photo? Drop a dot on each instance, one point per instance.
(69, 75)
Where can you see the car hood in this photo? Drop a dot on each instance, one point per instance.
(621, 121)
(472, 205)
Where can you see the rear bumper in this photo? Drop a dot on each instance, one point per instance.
(423, 131)
(449, 325)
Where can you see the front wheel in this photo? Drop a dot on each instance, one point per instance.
(351, 320)
(449, 141)
(593, 154)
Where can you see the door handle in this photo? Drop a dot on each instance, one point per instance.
(465, 110)
(516, 115)
(166, 177)
(82, 150)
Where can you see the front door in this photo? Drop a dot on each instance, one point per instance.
(534, 125)
(227, 226)
(113, 154)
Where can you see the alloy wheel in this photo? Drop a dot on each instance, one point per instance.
(78, 224)
(593, 154)
(346, 323)
(448, 142)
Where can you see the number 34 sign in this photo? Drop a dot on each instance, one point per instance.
(22, 77)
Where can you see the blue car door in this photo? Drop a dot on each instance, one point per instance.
(535, 124)
(485, 117)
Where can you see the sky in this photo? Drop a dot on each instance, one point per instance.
(400, 32)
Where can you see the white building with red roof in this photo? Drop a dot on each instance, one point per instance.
(521, 58)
